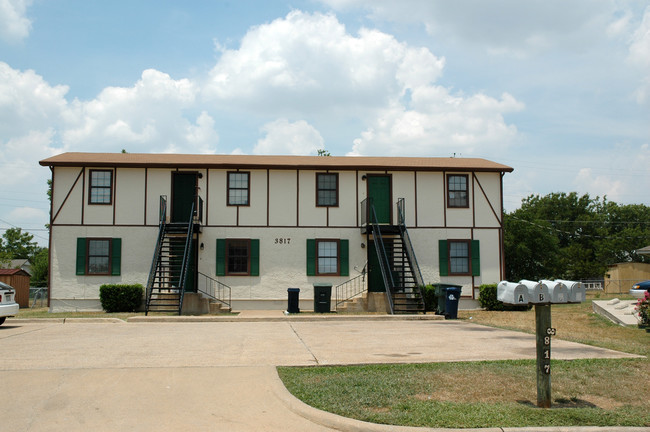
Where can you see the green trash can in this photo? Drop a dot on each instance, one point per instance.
(322, 297)
(441, 297)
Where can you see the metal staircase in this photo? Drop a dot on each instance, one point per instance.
(398, 264)
(170, 264)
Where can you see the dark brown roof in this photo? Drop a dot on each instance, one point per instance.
(277, 162)
(11, 272)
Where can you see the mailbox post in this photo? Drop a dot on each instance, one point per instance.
(543, 333)
(542, 294)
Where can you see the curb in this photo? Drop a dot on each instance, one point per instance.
(291, 318)
(340, 423)
(64, 320)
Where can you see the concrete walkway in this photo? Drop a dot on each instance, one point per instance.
(195, 374)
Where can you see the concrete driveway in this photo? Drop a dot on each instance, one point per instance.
(216, 375)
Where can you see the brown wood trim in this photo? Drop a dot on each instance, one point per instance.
(146, 194)
(444, 197)
(415, 195)
(52, 219)
(478, 182)
(83, 197)
(268, 197)
(298, 197)
(114, 193)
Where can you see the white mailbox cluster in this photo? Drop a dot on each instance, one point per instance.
(543, 292)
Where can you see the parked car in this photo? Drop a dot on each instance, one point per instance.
(639, 289)
(8, 305)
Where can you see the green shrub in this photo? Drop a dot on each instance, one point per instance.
(430, 299)
(488, 299)
(120, 298)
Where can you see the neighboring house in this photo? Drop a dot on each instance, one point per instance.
(22, 264)
(620, 277)
(255, 226)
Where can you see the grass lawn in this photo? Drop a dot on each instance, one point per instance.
(592, 392)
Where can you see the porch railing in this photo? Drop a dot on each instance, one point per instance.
(215, 290)
(351, 288)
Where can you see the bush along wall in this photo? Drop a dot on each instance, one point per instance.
(430, 299)
(488, 299)
(120, 298)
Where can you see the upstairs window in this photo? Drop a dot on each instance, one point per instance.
(238, 188)
(327, 190)
(457, 195)
(101, 187)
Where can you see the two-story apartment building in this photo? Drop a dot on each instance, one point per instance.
(262, 224)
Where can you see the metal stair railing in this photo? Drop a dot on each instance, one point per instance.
(215, 290)
(186, 260)
(156, 254)
(384, 265)
(408, 246)
(351, 288)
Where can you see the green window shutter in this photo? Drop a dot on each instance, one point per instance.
(344, 259)
(221, 257)
(255, 257)
(116, 256)
(81, 256)
(476, 258)
(311, 257)
(443, 256)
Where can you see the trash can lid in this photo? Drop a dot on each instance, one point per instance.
(323, 284)
(293, 289)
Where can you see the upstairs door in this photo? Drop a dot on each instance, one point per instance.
(379, 192)
(183, 195)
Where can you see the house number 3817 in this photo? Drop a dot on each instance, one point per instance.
(283, 241)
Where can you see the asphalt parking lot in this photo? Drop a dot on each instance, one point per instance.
(158, 376)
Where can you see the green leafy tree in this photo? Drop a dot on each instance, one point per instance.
(18, 244)
(571, 236)
(40, 268)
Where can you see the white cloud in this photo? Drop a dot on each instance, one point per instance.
(439, 125)
(148, 117)
(307, 63)
(14, 25)
(510, 27)
(286, 138)
(28, 102)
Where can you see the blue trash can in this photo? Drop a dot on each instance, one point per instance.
(294, 296)
(452, 297)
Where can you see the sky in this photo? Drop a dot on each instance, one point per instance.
(559, 90)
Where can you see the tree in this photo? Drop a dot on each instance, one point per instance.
(323, 152)
(572, 237)
(17, 244)
(40, 268)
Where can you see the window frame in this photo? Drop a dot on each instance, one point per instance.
(336, 189)
(468, 243)
(83, 256)
(450, 191)
(247, 189)
(92, 187)
(338, 257)
(229, 241)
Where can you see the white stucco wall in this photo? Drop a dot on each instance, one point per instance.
(137, 253)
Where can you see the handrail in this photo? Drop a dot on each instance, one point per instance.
(351, 288)
(216, 290)
(162, 216)
(406, 239)
(186, 261)
(384, 265)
